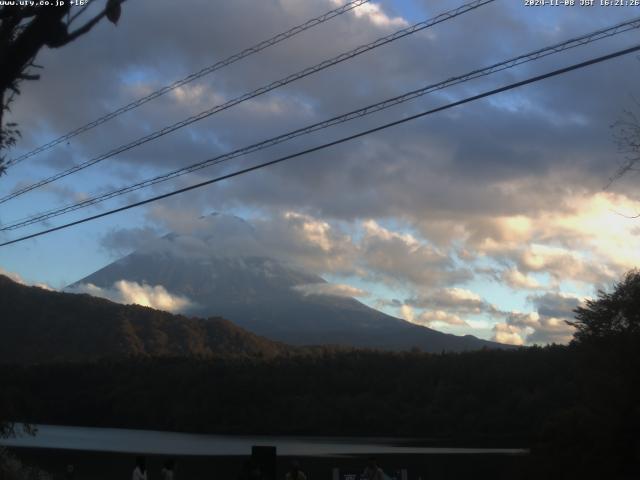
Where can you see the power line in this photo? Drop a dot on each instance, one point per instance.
(510, 63)
(260, 91)
(194, 76)
(495, 91)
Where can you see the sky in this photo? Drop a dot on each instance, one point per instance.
(490, 219)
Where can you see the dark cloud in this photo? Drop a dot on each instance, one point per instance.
(555, 305)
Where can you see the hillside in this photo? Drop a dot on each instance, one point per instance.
(38, 325)
(268, 296)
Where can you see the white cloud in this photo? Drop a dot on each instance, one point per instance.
(314, 232)
(450, 298)
(504, 333)
(332, 289)
(18, 279)
(459, 301)
(127, 293)
(439, 317)
(581, 238)
(374, 13)
(13, 276)
(515, 279)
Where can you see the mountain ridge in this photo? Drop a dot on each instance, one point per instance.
(260, 294)
(40, 326)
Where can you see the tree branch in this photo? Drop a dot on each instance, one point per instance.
(82, 10)
(84, 29)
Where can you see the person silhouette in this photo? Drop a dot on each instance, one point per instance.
(70, 472)
(140, 470)
(295, 473)
(167, 472)
(373, 471)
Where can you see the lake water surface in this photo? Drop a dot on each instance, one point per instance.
(171, 443)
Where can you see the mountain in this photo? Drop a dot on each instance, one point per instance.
(269, 297)
(39, 325)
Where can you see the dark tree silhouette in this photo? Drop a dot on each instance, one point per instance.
(606, 344)
(611, 314)
(24, 30)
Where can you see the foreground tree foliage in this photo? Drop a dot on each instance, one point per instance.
(24, 30)
(601, 431)
(576, 406)
(612, 316)
(490, 397)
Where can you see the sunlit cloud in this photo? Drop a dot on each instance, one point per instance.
(434, 318)
(508, 334)
(331, 289)
(375, 14)
(128, 293)
(517, 280)
(18, 279)
(12, 276)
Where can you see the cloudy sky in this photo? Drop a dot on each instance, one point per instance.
(488, 219)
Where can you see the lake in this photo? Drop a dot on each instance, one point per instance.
(172, 443)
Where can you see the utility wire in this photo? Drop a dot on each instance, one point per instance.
(510, 63)
(260, 91)
(194, 76)
(489, 93)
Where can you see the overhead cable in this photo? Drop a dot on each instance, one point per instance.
(194, 76)
(473, 98)
(376, 107)
(255, 93)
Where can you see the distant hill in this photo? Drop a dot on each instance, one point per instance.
(264, 295)
(38, 325)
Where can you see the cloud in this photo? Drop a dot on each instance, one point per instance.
(407, 312)
(547, 324)
(551, 330)
(121, 241)
(532, 328)
(18, 279)
(127, 293)
(439, 317)
(556, 304)
(518, 280)
(452, 307)
(331, 289)
(449, 306)
(376, 15)
(566, 241)
(13, 276)
(430, 317)
(505, 333)
(400, 257)
(366, 250)
(453, 299)
(560, 263)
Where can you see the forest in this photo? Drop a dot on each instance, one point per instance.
(565, 403)
(574, 405)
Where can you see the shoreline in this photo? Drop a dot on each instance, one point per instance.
(156, 442)
(92, 465)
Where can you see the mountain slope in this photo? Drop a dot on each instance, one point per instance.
(264, 296)
(38, 326)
